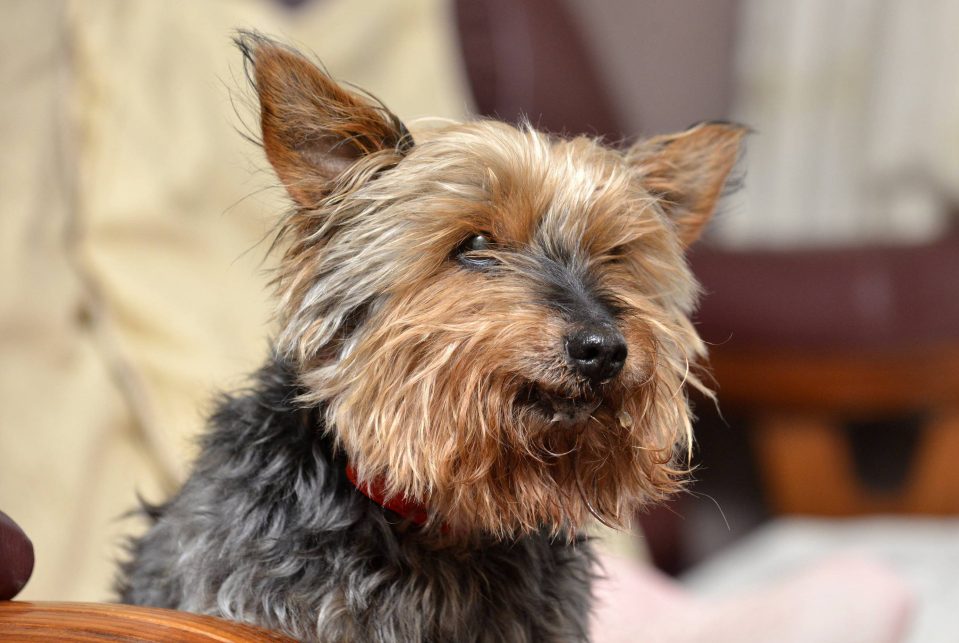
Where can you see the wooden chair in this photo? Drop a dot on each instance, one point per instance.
(69, 622)
(21, 621)
(799, 403)
(809, 343)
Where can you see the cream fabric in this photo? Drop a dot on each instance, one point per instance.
(69, 448)
(131, 215)
(855, 106)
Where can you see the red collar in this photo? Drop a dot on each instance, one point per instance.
(374, 490)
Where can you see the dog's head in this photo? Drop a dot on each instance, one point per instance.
(495, 320)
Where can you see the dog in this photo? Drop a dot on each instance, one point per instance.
(484, 345)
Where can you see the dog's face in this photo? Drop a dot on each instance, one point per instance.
(496, 320)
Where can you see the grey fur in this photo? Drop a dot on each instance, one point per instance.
(269, 530)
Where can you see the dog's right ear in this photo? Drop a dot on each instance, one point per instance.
(688, 171)
(313, 129)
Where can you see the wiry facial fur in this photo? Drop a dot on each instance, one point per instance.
(437, 374)
(425, 391)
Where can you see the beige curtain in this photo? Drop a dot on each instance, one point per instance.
(856, 108)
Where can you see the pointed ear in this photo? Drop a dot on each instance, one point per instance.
(313, 129)
(688, 170)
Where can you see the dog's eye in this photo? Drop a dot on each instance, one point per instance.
(471, 253)
(476, 243)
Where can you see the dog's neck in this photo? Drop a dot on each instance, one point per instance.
(375, 490)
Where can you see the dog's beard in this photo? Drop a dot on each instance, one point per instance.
(454, 431)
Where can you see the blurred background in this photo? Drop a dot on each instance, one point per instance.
(133, 280)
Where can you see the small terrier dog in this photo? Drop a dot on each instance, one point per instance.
(484, 342)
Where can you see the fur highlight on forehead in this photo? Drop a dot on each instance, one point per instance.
(433, 374)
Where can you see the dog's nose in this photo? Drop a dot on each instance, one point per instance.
(597, 353)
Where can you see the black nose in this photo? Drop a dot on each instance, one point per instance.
(597, 353)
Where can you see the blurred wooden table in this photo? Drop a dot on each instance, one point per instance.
(799, 400)
(67, 622)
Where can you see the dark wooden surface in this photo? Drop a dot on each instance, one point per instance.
(837, 381)
(68, 622)
(799, 402)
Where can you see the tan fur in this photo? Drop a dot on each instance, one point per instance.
(422, 364)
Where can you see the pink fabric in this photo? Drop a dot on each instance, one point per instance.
(843, 599)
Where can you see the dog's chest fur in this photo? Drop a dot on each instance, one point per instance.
(269, 530)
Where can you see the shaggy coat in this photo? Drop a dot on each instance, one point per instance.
(488, 322)
(268, 530)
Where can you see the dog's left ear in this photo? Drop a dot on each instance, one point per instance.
(313, 128)
(688, 171)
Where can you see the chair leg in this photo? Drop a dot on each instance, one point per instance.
(807, 466)
(934, 487)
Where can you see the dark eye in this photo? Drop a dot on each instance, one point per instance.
(471, 252)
